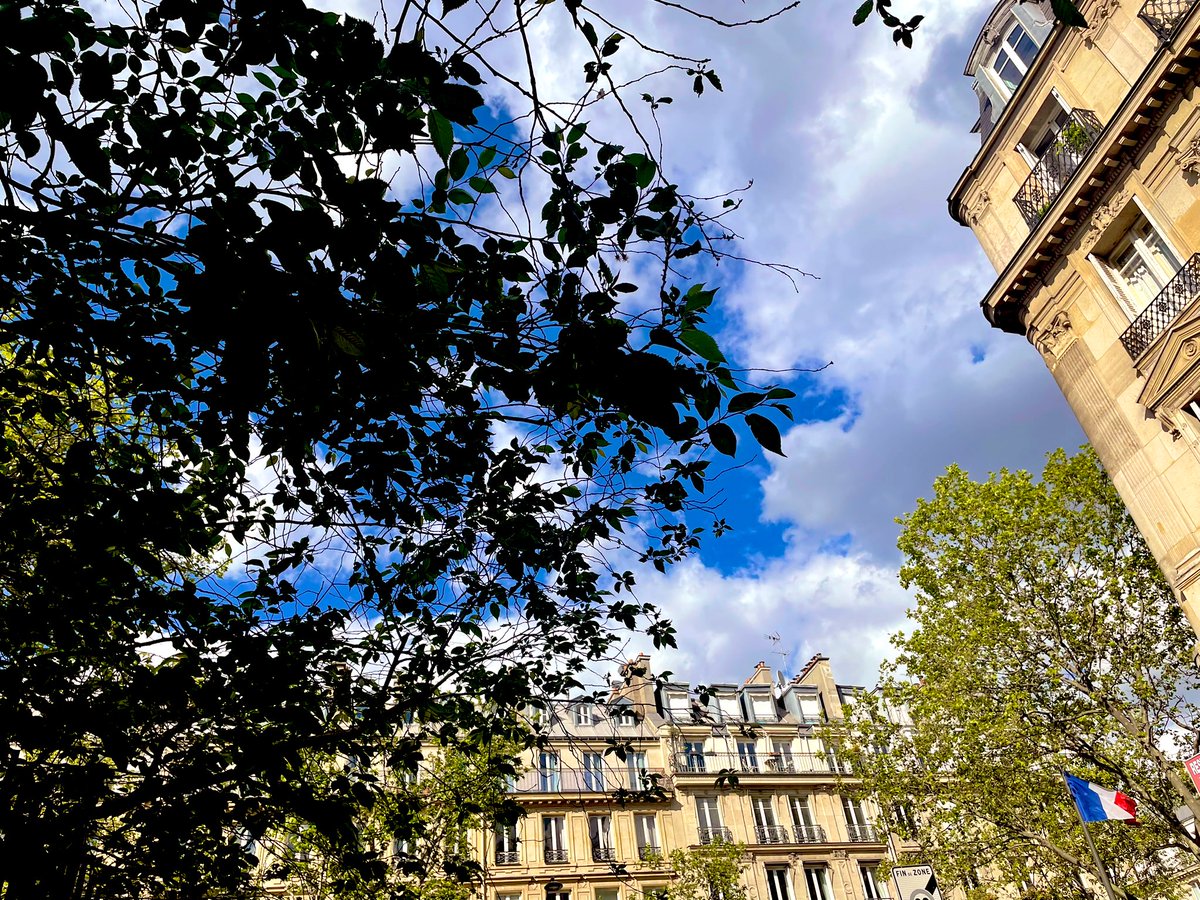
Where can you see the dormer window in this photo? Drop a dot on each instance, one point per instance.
(1014, 57)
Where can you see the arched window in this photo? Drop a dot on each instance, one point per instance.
(1014, 57)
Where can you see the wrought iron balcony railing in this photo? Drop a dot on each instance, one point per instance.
(685, 763)
(1163, 16)
(508, 857)
(716, 835)
(810, 834)
(863, 834)
(1057, 165)
(1173, 299)
(574, 781)
(771, 834)
(555, 856)
(604, 854)
(649, 851)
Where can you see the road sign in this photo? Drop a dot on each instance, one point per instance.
(915, 883)
(1193, 768)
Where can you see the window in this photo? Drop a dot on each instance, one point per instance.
(654, 892)
(636, 764)
(816, 880)
(747, 756)
(857, 825)
(779, 882)
(766, 827)
(585, 714)
(1140, 265)
(1014, 57)
(507, 853)
(593, 772)
(508, 897)
(646, 830)
(401, 847)
(548, 772)
(781, 757)
(624, 716)
(560, 895)
(693, 756)
(708, 815)
(554, 838)
(600, 831)
(607, 894)
(802, 816)
(874, 888)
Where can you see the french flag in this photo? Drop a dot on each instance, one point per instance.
(1097, 804)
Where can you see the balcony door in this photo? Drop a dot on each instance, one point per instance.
(1141, 264)
(708, 816)
(548, 773)
(600, 831)
(593, 772)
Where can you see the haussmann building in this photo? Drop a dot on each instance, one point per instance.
(1085, 194)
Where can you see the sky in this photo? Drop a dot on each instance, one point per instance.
(852, 144)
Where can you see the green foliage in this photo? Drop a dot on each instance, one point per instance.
(1044, 638)
(460, 790)
(704, 873)
(425, 431)
(1065, 11)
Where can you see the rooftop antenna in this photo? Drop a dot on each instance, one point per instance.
(777, 642)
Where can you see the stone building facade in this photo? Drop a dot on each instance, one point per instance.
(578, 841)
(1085, 195)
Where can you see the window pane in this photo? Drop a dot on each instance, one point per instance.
(1022, 45)
(1009, 74)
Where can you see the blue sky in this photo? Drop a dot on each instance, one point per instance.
(852, 144)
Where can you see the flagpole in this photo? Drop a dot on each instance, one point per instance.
(1100, 870)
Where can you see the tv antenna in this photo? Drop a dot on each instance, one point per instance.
(777, 642)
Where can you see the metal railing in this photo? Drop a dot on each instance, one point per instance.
(649, 851)
(685, 763)
(1057, 165)
(574, 781)
(1164, 16)
(810, 834)
(604, 854)
(555, 856)
(771, 834)
(508, 857)
(716, 835)
(1173, 299)
(863, 834)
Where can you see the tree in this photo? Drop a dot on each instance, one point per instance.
(459, 790)
(705, 873)
(1044, 638)
(293, 248)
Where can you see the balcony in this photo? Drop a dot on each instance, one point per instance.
(577, 781)
(604, 854)
(1173, 299)
(863, 834)
(1057, 165)
(555, 856)
(649, 851)
(771, 834)
(716, 836)
(810, 834)
(684, 763)
(1163, 16)
(508, 857)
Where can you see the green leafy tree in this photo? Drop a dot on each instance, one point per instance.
(291, 246)
(1044, 638)
(412, 836)
(711, 872)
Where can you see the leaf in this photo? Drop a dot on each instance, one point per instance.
(441, 132)
(863, 12)
(449, 6)
(482, 185)
(1068, 13)
(723, 439)
(486, 155)
(701, 344)
(743, 402)
(765, 433)
(713, 80)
